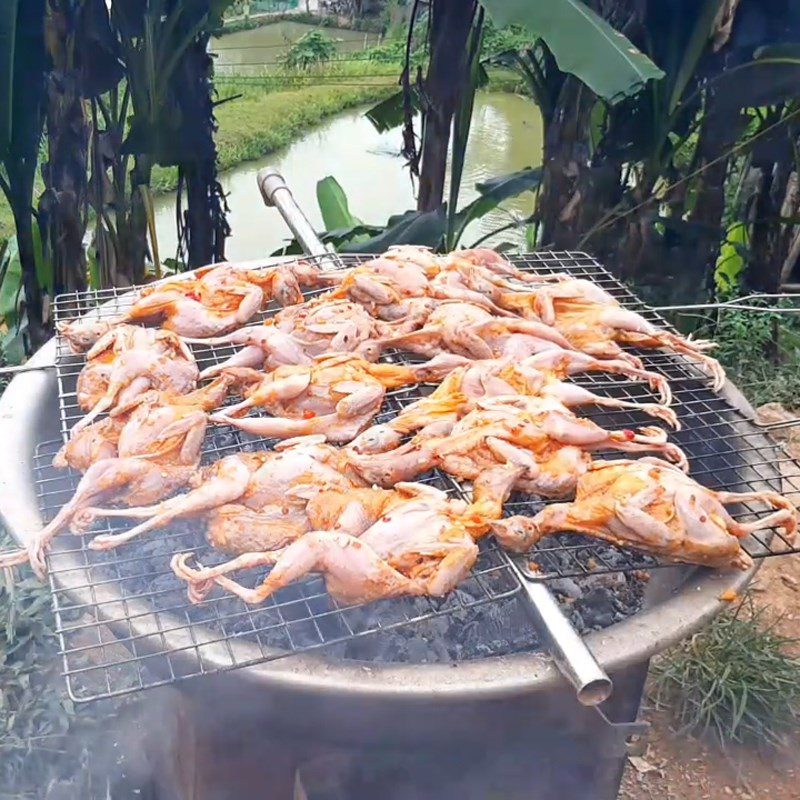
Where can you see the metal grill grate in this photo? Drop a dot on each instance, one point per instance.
(125, 590)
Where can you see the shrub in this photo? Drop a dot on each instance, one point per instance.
(311, 48)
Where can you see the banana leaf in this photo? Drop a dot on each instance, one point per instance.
(732, 259)
(333, 204)
(388, 113)
(414, 227)
(11, 286)
(8, 28)
(493, 192)
(462, 122)
(583, 44)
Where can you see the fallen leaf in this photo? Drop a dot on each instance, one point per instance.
(729, 596)
(641, 765)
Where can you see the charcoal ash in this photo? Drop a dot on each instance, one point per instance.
(502, 628)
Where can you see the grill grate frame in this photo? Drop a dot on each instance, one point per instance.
(104, 657)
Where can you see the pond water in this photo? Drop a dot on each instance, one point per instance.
(506, 136)
(260, 50)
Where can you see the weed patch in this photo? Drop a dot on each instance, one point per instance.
(733, 681)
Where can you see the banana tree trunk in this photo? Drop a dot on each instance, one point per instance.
(769, 248)
(205, 226)
(577, 194)
(23, 222)
(20, 158)
(63, 205)
(445, 81)
(132, 231)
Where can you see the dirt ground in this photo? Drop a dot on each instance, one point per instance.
(679, 768)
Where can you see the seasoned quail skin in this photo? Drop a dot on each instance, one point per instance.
(539, 434)
(215, 300)
(372, 544)
(656, 508)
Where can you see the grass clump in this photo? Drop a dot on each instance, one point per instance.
(734, 681)
(761, 352)
(35, 715)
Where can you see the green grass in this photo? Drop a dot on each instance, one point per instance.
(272, 113)
(34, 713)
(305, 17)
(761, 353)
(734, 681)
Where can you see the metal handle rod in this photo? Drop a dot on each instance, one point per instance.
(741, 303)
(25, 368)
(776, 426)
(278, 195)
(570, 653)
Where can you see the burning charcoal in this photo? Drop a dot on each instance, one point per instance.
(576, 619)
(384, 647)
(164, 592)
(220, 439)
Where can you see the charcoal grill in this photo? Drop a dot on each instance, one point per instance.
(125, 625)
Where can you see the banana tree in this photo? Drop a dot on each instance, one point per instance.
(203, 227)
(83, 63)
(166, 100)
(438, 229)
(567, 32)
(22, 69)
(675, 146)
(641, 179)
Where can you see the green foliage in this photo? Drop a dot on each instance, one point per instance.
(492, 193)
(13, 319)
(393, 52)
(310, 49)
(761, 352)
(334, 206)
(304, 17)
(733, 681)
(271, 114)
(500, 40)
(8, 29)
(732, 258)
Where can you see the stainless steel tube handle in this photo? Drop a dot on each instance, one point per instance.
(278, 195)
(569, 651)
(27, 367)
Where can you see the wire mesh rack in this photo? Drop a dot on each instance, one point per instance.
(123, 618)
